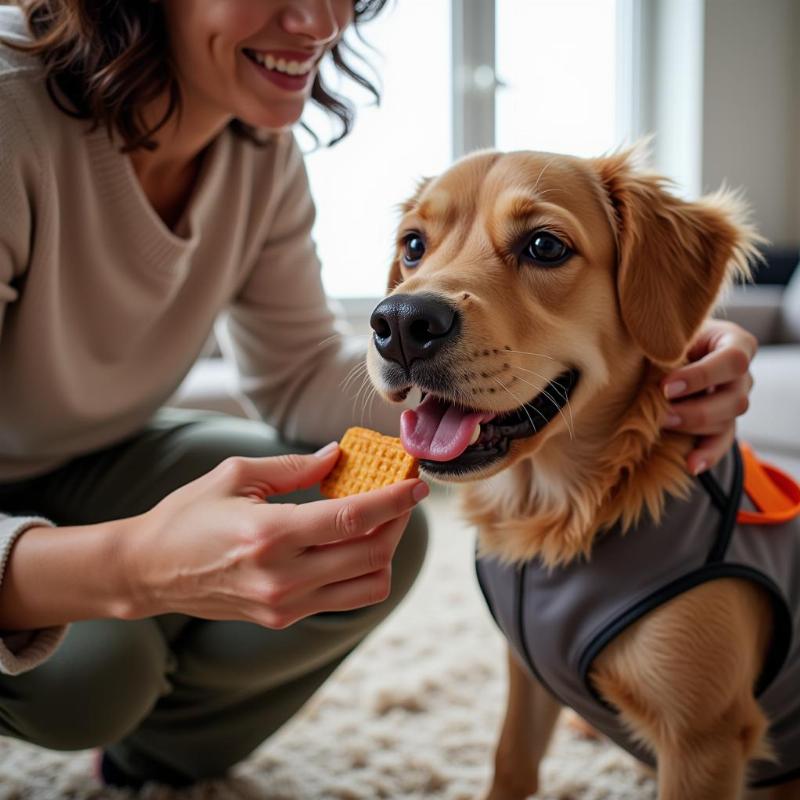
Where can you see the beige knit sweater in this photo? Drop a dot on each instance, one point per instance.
(103, 309)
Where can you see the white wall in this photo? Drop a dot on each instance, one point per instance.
(751, 108)
(672, 85)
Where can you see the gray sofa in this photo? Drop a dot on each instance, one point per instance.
(771, 425)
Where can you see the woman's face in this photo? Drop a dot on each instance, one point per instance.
(252, 59)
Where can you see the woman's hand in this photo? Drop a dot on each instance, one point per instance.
(215, 549)
(711, 391)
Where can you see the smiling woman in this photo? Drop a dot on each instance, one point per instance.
(105, 62)
(161, 610)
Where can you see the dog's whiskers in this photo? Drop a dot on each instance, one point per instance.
(524, 353)
(539, 390)
(340, 335)
(363, 389)
(355, 372)
(367, 406)
(360, 375)
(565, 393)
(519, 402)
(556, 385)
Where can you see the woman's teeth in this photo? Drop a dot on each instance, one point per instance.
(281, 64)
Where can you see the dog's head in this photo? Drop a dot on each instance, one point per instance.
(528, 292)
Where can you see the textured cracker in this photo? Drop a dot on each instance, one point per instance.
(367, 460)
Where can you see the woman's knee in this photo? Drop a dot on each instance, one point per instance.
(102, 681)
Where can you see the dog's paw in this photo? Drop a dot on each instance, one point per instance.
(580, 727)
(518, 789)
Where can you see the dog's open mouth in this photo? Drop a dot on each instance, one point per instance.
(451, 439)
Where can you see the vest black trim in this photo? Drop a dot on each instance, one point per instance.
(785, 778)
(714, 491)
(519, 621)
(728, 506)
(733, 501)
(781, 637)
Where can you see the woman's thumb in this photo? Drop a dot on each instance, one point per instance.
(285, 473)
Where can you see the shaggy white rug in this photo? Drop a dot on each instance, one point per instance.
(412, 714)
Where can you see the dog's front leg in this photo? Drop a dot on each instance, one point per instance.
(531, 713)
(682, 677)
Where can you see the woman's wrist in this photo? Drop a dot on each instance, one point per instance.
(54, 576)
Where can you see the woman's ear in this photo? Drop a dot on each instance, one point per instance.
(673, 256)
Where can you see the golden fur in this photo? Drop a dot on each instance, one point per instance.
(646, 270)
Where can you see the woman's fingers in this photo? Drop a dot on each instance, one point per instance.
(717, 335)
(260, 478)
(710, 392)
(351, 558)
(715, 369)
(334, 563)
(709, 450)
(325, 521)
(720, 353)
(710, 414)
(366, 590)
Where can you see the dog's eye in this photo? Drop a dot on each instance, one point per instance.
(413, 249)
(546, 249)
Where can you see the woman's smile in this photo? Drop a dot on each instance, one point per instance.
(251, 60)
(288, 70)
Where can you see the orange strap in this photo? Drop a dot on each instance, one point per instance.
(775, 494)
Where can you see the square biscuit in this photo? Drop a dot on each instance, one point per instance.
(367, 460)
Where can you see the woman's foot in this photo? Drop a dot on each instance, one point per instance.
(109, 773)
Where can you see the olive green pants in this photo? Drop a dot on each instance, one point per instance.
(175, 697)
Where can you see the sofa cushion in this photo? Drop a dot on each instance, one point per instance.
(772, 423)
(790, 310)
(212, 385)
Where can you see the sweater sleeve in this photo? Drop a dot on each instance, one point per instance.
(19, 650)
(297, 364)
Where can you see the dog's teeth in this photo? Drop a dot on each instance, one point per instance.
(476, 434)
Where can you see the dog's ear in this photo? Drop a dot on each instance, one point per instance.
(395, 275)
(673, 256)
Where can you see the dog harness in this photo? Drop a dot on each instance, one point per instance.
(558, 620)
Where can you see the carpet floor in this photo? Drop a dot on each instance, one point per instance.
(412, 714)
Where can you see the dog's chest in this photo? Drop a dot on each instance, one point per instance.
(558, 620)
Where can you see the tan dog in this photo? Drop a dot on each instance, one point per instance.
(537, 300)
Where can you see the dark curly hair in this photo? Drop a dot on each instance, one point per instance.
(105, 60)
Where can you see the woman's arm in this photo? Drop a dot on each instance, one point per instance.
(301, 373)
(57, 575)
(215, 549)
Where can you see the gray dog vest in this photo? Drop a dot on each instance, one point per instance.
(558, 620)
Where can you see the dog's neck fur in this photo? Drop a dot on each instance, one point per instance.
(552, 505)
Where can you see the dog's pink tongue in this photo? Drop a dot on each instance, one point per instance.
(438, 431)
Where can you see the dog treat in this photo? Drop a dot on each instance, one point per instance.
(367, 460)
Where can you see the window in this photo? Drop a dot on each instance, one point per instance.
(559, 65)
(557, 61)
(358, 183)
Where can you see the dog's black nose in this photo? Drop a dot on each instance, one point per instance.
(413, 326)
